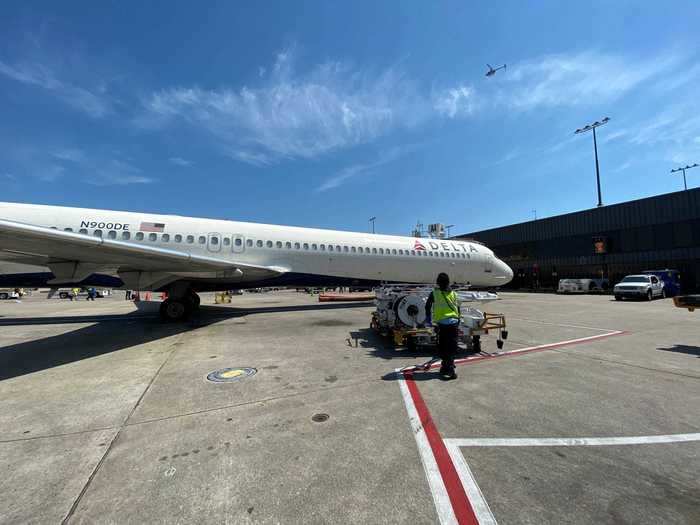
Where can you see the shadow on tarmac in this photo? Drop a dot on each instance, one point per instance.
(683, 349)
(111, 333)
(383, 348)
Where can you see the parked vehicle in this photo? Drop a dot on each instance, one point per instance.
(670, 278)
(9, 294)
(639, 286)
(582, 285)
(65, 293)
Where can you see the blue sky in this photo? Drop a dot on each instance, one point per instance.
(327, 113)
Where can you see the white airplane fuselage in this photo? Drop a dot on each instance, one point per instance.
(308, 256)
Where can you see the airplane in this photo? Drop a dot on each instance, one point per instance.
(491, 72)
(185, 255)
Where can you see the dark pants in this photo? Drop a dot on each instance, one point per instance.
(447, 346)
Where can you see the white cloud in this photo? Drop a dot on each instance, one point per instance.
(116, 172)
(622, 167)
(72, 155)
(291, 115)
(454, 102)
(586, 78)
(356, 170)
(40, 75)
(180, 162)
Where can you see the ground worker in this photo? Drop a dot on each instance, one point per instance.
(446, 314)
(74, 294)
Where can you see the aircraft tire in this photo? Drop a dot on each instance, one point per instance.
(175, 310)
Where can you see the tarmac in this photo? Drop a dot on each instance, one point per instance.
(107, 416)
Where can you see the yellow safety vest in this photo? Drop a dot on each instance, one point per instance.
(444, 305)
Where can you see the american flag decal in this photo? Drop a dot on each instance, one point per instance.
(419, 246)
(152, 227)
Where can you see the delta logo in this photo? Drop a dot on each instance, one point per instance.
(419, 246)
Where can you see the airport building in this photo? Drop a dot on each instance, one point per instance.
(607, 242)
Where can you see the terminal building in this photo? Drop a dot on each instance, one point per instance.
(607, 242)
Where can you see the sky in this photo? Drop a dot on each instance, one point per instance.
(324, 114)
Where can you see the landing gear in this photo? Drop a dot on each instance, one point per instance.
(179, 306)
(175, 309)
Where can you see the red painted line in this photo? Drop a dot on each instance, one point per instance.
(461, 505)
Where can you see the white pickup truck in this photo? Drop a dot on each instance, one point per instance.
(639, 286)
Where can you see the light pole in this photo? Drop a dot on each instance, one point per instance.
(371, 219)
(685, 184)
(590, 127)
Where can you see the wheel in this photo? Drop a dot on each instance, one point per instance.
(63, 295)
(618, 298)
(504, 334)
(650, 295)
(4, 295)
(499, 344)
(174, 310)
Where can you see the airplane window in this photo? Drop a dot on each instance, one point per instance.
(400, 252)
(126, 236)
(112, 234)
(279, 244)
(249, 242)
(381, 250)
(152, 237)
(97, 233)
(190, 239)
(306, 246)
(360, 249)
(297, 246)
(178, 238)
(83, 230)
(259, 244)
(353, 249)
(139, 236)
(330, 247)
(374, 250)
(269, 244)
(54, 228)
(314, 247)
(413, 252)
(227, 241)
(345, 249)
(393, 251)
(367, 250)
(202, 239)
(214, 240)
(67, 229)
(165, 237)
(288, 245)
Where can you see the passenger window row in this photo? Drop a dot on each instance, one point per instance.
(288, 245)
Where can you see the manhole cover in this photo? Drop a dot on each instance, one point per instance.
(320, 418)
(227, 375)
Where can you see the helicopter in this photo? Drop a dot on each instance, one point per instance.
(491, 72)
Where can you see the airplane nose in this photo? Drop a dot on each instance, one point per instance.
(505, 272)
(508, 271)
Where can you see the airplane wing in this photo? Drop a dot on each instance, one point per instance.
(60, 249)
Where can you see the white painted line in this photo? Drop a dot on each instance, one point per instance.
(560, 324)
(476, 497)
(437, 487)
(570, 442)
